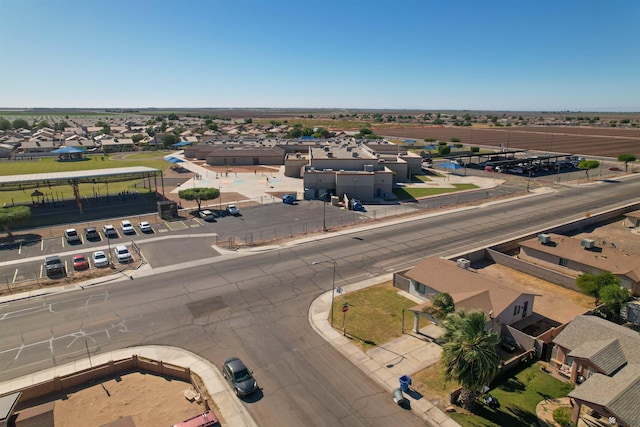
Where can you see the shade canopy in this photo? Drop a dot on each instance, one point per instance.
(173, 160)
(68, 150)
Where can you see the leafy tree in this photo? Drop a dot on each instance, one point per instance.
(5, 124)
(626, 158)
(11, 215)
(587, 165)
(295, 132)
(443, 150)
(469, 354)
(170, 139)
(199, 194)
(474, 149)
(106, 129)
(592, 284)
(248, 121)
(212, 126)
(613, 297)
(137, 138)
(322, 133)
(454, 139)
(43, 124)
(21, 124)
(62, 125)
(173, 116)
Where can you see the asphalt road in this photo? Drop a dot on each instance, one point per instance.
(255, 307)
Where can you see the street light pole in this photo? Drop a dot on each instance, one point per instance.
(333, 283)
(324, 211)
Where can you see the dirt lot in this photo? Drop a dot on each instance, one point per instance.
(150, 400)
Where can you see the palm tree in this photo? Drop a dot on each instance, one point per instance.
(469, 354)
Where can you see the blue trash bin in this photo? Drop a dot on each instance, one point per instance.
(405, 382)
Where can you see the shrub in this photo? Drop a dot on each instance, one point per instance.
(562, 416)
(454, 139)
(474, 149)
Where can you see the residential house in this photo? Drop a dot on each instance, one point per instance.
(6, 150)
(502, 303)
(117, 145)
(575, 256)
(604, 359)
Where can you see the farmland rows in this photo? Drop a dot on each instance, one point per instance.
(561, 142)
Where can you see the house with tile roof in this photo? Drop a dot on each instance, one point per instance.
(604, 359)
(574, 256)
(502, 304)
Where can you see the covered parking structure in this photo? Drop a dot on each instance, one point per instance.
(39, 181)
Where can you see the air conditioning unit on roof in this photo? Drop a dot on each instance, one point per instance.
(545, 239)
(463, 263)
(587, 243)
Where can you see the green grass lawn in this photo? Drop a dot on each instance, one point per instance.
(375, 315)
(153, 159)
(518, 396)
(48, 165)
(421, 178)
(416, 193)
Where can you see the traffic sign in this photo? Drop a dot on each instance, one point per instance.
(345, 307)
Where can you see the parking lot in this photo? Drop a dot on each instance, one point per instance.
(23, 260)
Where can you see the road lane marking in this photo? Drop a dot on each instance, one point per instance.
(15, 275)
(20, 249)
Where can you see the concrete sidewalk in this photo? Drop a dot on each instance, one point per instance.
(385, 364)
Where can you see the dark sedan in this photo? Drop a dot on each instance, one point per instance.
(240, 378)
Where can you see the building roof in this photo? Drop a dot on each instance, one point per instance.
(469, 290)
(584, 329)
(605, 256)
(606, 354)
(56, 176)
(620, 394)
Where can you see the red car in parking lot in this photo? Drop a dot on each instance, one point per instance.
(80, 262)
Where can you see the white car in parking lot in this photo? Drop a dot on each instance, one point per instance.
(127, 227)
(100, 259)
(145, 227)
(123, 254)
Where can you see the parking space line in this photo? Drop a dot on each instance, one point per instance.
(15, 275)
(20, 249)
(42, 245)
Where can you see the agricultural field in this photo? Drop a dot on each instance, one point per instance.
(606, 142)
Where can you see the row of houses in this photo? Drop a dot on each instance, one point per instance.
(601, 357)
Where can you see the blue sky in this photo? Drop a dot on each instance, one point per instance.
(579, 55)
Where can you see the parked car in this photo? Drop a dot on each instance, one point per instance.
(615, 169)
(80, 262)
(71, 235)
(53, 265)
(90, 233)
(233, 210)
(110, 231)
(240, 378)
(127, 227)
(207, 215)
(145, 227)
(100, 259)
(289, 199)
(123, 254)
